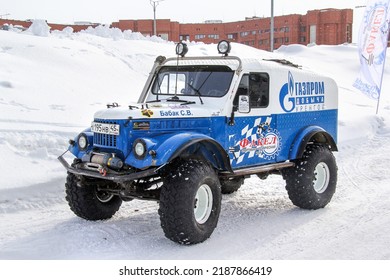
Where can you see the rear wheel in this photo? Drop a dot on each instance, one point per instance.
(88, 202)
(190, 201)
(311, 183)
(231, 185)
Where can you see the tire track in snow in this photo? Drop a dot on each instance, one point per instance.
(38, 196)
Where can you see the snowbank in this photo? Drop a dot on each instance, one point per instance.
(52, 83)
(39, 28)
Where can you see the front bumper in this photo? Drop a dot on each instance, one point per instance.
(111, 175)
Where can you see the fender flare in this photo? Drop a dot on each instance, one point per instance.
(216, 155)
(169, 147)
(199, 145)
(311, 134)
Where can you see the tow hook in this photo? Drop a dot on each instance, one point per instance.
(102, 171)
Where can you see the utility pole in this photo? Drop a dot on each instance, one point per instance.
(154, 4)
(272, 26)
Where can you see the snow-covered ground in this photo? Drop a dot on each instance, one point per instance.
(51, 85)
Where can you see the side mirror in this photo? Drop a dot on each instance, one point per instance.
(243, 104)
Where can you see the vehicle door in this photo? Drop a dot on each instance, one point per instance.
(252, 139)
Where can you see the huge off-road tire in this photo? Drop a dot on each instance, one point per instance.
(231, 185)
(190, 201)
(311, 183)
(89, 203)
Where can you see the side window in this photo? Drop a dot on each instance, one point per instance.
(243, 89)
(259, 90)
(256, 85)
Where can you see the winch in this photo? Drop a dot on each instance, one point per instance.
(106, 159)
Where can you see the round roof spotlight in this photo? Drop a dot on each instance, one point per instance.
(224, 47)
(181, 49)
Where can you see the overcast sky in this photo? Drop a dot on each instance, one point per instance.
(193, 11)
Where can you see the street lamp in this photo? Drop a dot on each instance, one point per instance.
(154, 4)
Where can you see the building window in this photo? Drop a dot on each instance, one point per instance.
(213, 36)
(244, 34)
(286, 39)
(184, 37)
(231, 36)
(285, 29)
(199, 36)
(302, 39)
(164, 36)
(264, 42)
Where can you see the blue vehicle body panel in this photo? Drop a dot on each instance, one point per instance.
(251, 141)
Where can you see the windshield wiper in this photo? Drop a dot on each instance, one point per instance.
(197, 92)
(177, 99)
(183, 102)
(153, 101)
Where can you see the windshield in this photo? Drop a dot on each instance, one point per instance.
(209, 81)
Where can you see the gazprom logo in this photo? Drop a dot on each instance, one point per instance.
(290, 83)
(302, 95)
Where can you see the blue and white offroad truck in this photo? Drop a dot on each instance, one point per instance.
(200, 127)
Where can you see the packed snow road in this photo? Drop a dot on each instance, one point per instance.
(257, 222)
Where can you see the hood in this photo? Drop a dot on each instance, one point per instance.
(158, 111)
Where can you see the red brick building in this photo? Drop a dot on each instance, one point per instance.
(323, 27)
(54, 26)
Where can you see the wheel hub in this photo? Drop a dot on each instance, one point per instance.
(322, 176)
(203, 204)
(104, 196)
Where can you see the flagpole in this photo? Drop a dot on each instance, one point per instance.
(380, 88)
(384, 63)
(372, 47)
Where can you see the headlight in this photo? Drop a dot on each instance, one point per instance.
(181, 49)
(224, 47)
(139, 148)
(82, 142)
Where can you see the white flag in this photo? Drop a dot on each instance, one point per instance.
(372, 45)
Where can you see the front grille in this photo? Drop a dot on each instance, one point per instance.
(105, 139)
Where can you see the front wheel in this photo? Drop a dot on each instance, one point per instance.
(88, 202)
(190, 201)
(311, 183)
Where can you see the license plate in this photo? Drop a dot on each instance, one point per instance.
(105, 128)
